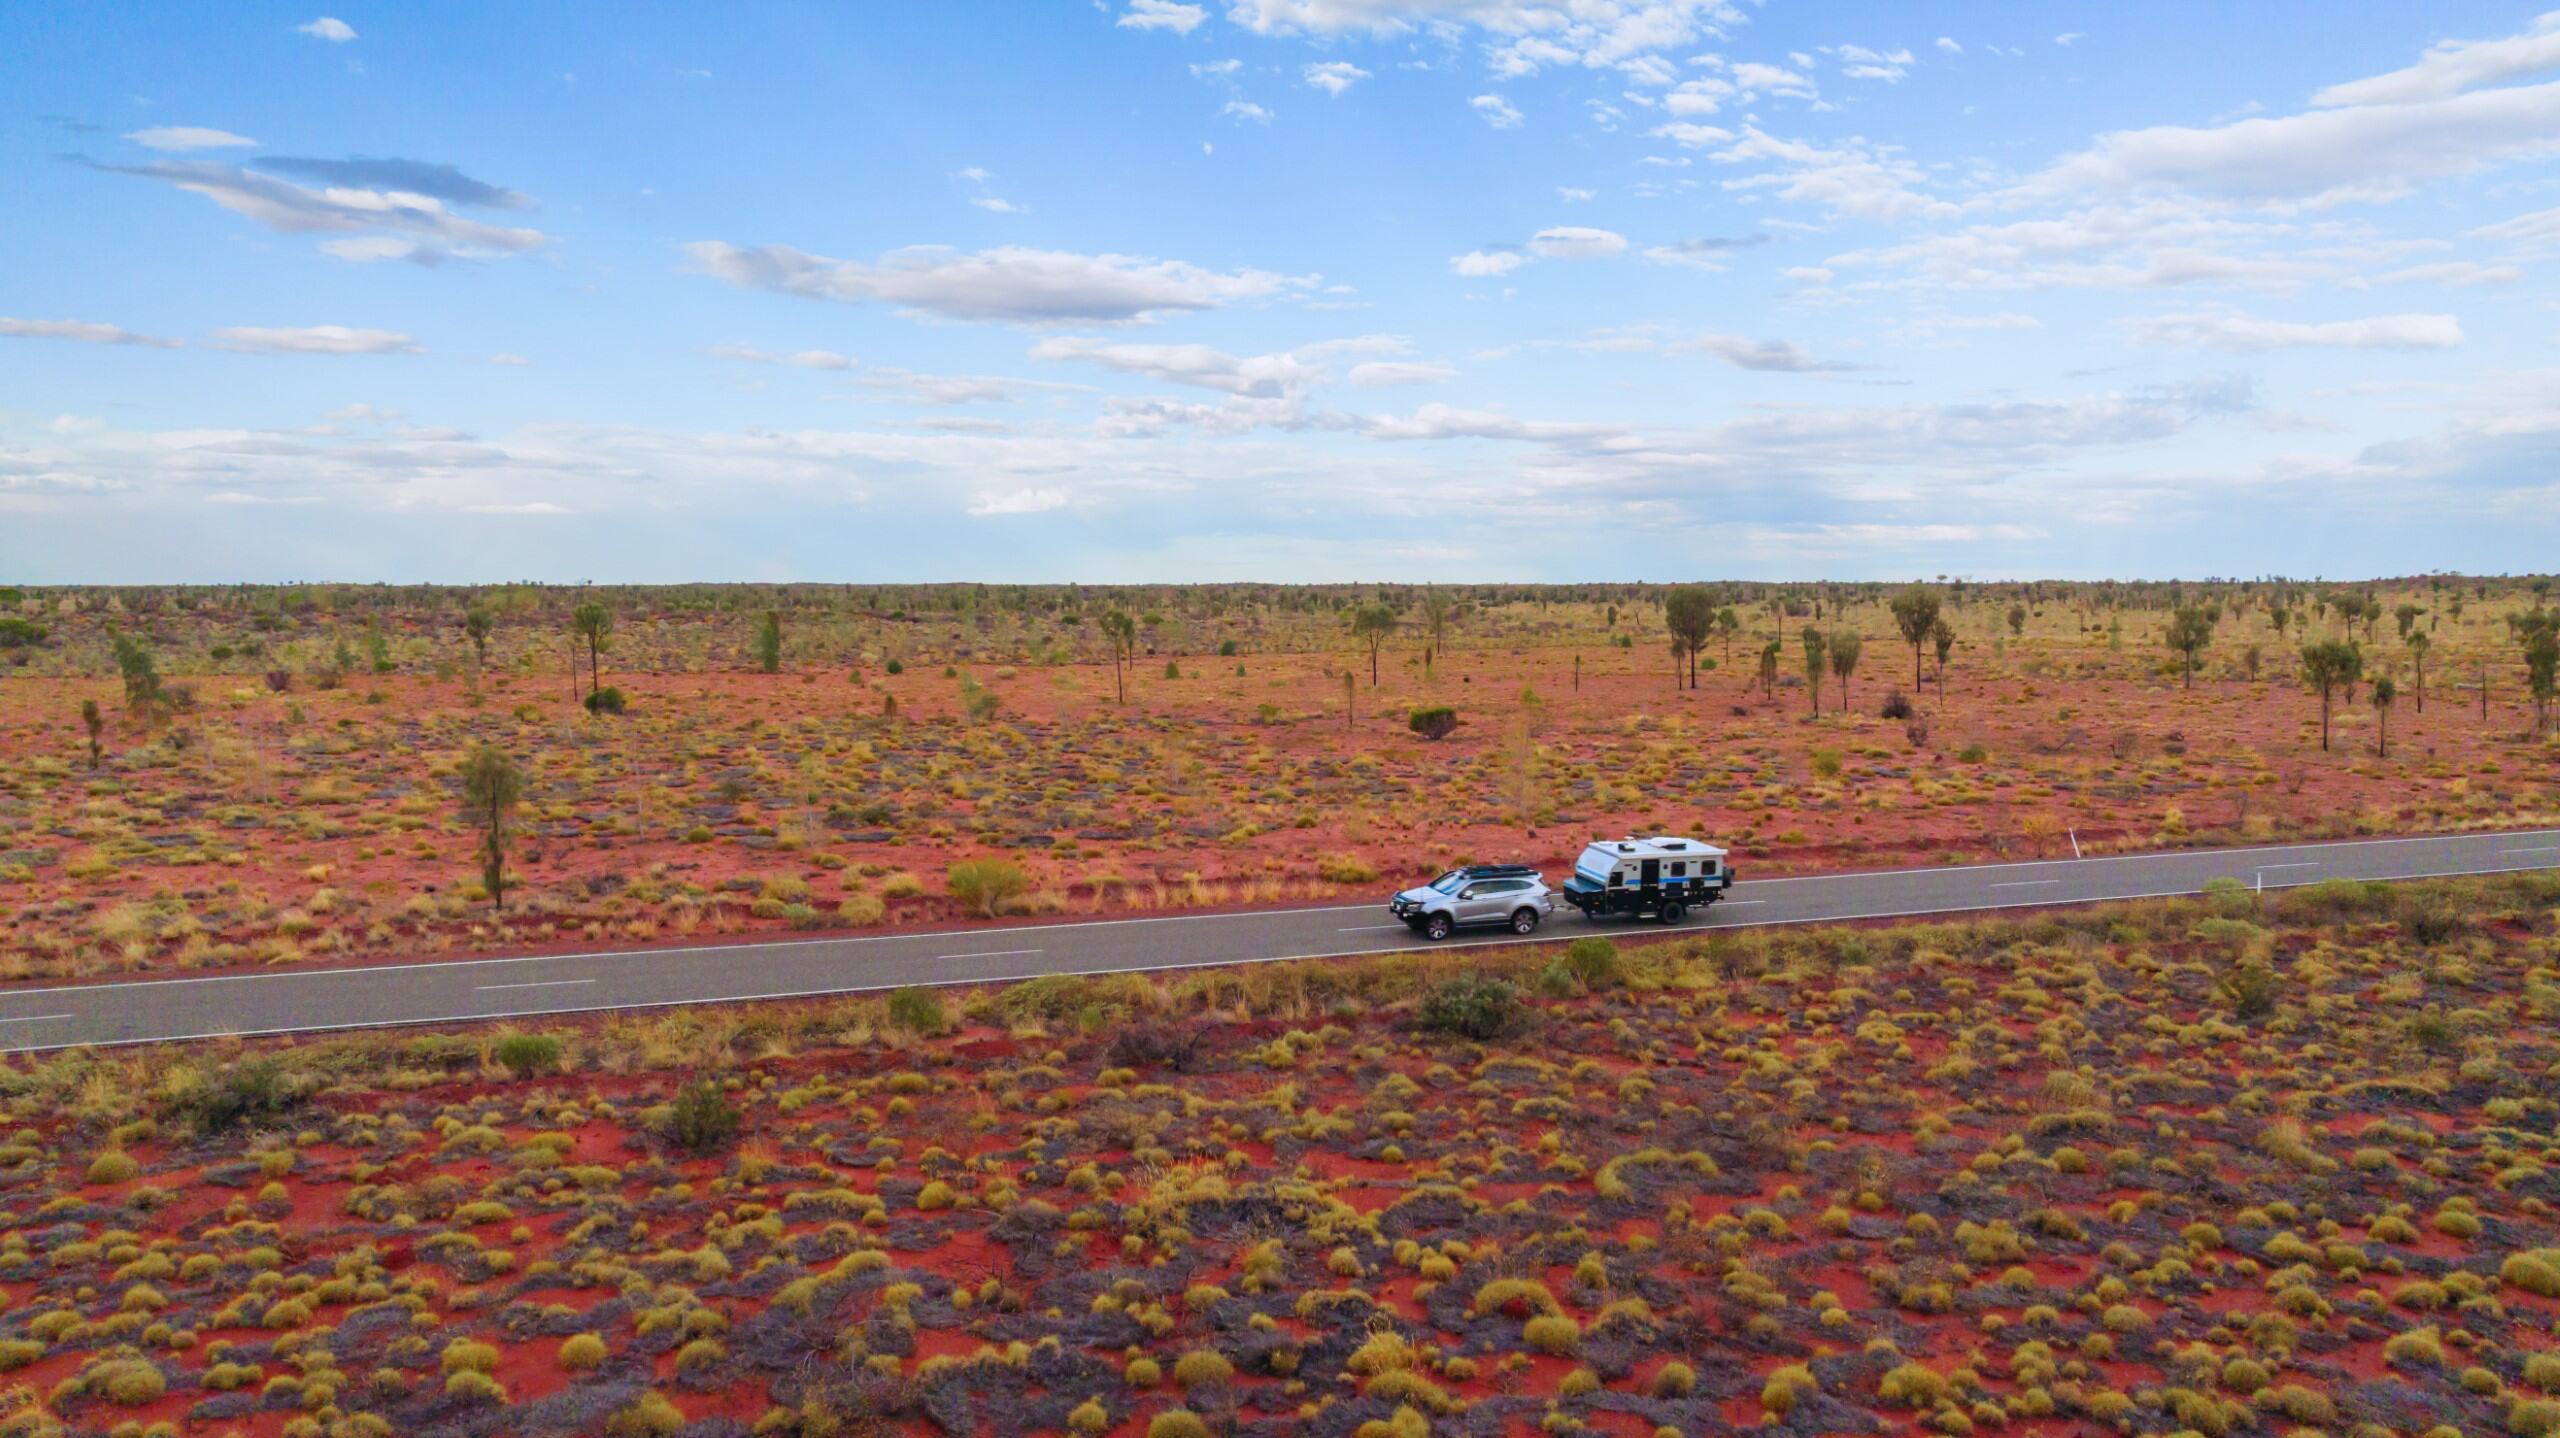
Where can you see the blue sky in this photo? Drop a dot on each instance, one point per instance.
(1276, 289)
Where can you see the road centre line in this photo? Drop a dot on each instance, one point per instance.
(537, 984)
(989, 954)
(2026, 883)
(35, 1019)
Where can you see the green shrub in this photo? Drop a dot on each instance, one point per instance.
(607, 700)
(647, 1416)
(1551, 1333)
(918, 1011)
(1178, 1423)
(985, 886)
(1346, 869)
(527, 1054)
(702, 1121)
(580, 1352)
(256, 1091)
(1593, 960)
(1436, 721)
(1202, 1366)
(113, 1166)
(131, 1382)
(1472, 1006)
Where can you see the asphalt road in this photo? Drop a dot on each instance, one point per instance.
(461, 990)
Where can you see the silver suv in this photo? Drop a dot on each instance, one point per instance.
(1509, 894)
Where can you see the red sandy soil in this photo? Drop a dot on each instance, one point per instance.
(259, 828)
(2043, 1159)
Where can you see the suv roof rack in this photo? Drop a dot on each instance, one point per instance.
(1498, 871)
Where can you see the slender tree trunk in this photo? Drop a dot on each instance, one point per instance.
(2324, 721)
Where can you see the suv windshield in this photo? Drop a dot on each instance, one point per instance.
(1450, 882)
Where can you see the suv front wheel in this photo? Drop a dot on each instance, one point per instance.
(1437, 927)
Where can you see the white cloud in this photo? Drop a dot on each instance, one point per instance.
(1246, 110)
(1497, 111)
(2069, 38)
(1378, 373)
(83, 332)
(187, 137)
(1216, 69)
(1754, 78)
(2455, 274)
(382, 223)
(1487, 264)
(313, 340)
(519, 507)
(1860, 63)
(2532, 234)
(1011, 283)
(2246, 334)
(1162, 15)
(511, 360)
(1523, 35)
(804, 359)
(1572, 196)
(2321, 157)
(1268, 376)
(1335, 76)
(995, 204)
(1020, 501)
(1691, 135)
(1741, 353)
(1576, 242)
(1853, 179)
(1950, 46)
(2453, 66)
(329, 28)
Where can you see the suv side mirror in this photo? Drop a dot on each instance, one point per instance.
(1466, 893)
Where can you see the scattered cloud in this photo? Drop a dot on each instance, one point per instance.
(1706, 253)
(1521, 37)
(510, 359)
(1377, 374)
(82, 332)
(2069, 38)
(1246, 110)
(1162, 15)
(1860, 63)
(1020, 501)
(1255, 376)
(1497, 111)
(1949, 45)
(373, 224)
(313, 340)
(1573, 196)
(1487, 264)
(1778, 355)
(2245, 334)
(1334, 76)
(2453, 66)
(387, 173)
(1576, 242)
(187, 137)
(329, 28)
(804, 359)
(1012, 283)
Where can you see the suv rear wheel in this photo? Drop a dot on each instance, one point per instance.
(1437, 927)
(1525, 922)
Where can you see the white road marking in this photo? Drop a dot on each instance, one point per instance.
(2305, 865)
(2026, 883)
(1738, 903)
(35, 1019)
(538, 984)
(988, 954)
(1368, 928)
(2544, 849)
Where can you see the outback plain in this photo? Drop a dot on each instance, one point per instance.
(2245, 1163)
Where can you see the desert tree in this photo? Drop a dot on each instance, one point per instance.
(1690, 612)
(2190, 630)
(2017, 620)
(1439, 608)
(2541, 636)
(2328, 665)
(477, 623)
(1816, 651)
(2419, 644)
(1373, 624)
(2407, 614)
(491, 785)
(1121, 633)
(2280, 617)
(592, 622)
(1915, 613)
(769, 642)
(140, 671)
(1942, 638)
(1845, 646)
(96, 724)
(1770, 654)
(1728, 624)
(2383, 693)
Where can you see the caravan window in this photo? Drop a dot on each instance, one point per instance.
(1617, 878)
(1679, 868)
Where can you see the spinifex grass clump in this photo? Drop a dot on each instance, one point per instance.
(1980, 1175)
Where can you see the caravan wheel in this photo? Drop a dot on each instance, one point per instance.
(1673, 913)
